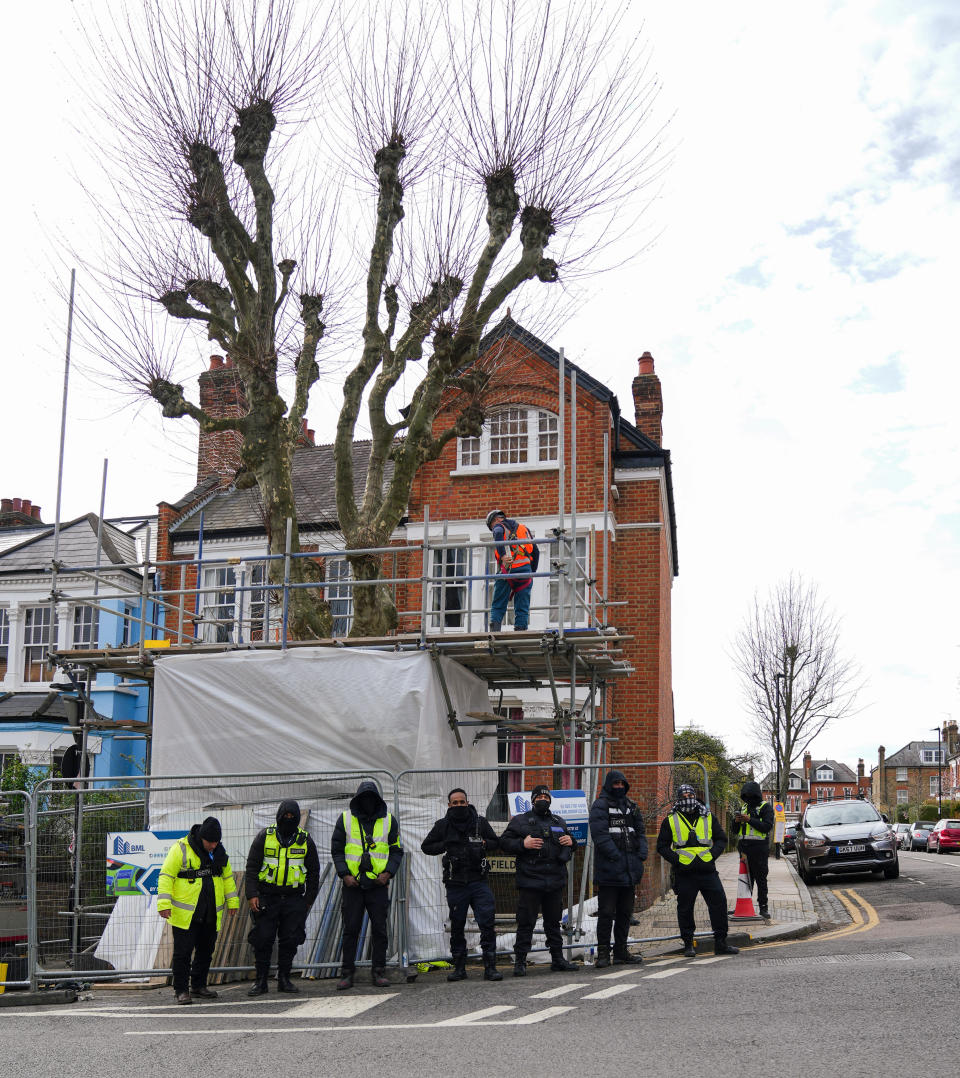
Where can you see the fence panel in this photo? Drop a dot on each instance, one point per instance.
(15, 889)
(97, 903)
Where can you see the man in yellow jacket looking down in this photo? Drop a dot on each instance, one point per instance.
(196, 883)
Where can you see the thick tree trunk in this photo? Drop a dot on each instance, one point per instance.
(374, 611)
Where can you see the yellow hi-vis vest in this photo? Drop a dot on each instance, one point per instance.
(180, 896)
(283, 866)
(379, 848)
(702, 831)
(748, 830)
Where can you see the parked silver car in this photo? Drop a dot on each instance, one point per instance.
(919, 830)
(901, 832)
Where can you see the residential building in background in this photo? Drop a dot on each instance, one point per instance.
(819, 780)
(914, 774)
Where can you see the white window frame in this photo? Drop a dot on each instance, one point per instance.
(339, 595)
(84, 619)
(4, 642)
(931, 756)
(541, 440)
(824, 774)
(452, 563)
(554, 590)
(795, 783)
(902, 774)
(934, 785)
(903, 796)
(38, 638)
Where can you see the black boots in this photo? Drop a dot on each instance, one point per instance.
(520, 965)
(490, 971)
(494, 626)
(765, 912)
(259, 986)
(202, 992)
(284, 984)
(459, 971)
(622, 957)
(720, 946)
(688, 949)
(346, 980)
(560, 965)
(378, 978)
(603, 956)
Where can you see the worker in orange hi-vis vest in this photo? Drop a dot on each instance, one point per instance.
(516, 561)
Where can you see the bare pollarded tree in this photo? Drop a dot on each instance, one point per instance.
(285, 181)
(795, 678)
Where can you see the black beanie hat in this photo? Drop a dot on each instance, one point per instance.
(540, 790)
(210, 829)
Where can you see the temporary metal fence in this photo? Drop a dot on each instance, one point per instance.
(78, 928)
(17, 889)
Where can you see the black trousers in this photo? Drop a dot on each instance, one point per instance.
(758, 861)
(477, 896)
(614, 907)
(375, 901)
(282, 917)
(197, 941)
(531, 902)
(708, 884)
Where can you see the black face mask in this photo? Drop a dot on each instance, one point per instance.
(286, 826)
(541, 807)
(459, 813)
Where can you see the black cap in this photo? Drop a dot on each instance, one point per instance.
(541, 789)
(210, 829)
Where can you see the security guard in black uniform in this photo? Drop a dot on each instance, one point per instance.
(282, 881)
(754, 824)
(542, 845)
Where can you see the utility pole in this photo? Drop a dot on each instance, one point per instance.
(939, 774)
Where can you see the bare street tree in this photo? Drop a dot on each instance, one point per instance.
(795, 679)
(287, 177)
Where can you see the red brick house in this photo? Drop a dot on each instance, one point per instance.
(819, 780)
(915, 774)
(513, 465)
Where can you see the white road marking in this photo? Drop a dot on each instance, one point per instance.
(614, 976)
(716, 958)
(538, 1016)
(561, 991)
(473, 1016)
(666, 973)
(666, 961)
(340, 1007)
(613, 990)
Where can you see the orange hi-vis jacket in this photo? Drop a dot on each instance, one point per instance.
(522, 552)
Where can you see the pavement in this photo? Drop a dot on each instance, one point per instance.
(792, 912)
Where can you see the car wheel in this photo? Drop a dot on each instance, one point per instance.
(893, 872)
(808, 877)
(939, 848)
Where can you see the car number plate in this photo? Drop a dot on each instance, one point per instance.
(851, 849)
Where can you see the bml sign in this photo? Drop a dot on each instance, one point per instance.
(570, 804)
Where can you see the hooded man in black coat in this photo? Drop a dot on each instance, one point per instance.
(754, 824)
(281, 883)
(691, 839)
(542, 845)
(366, 852)
(464, 838)
(620, 848)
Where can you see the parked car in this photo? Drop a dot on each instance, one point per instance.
(844, 836)
(944, 836)
(789, 838)
(919, 830)
(901, 832)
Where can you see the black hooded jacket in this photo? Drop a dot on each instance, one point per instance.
(368, 816)
(619, 836)
(544, 869)
(464, 846)
(255, 888)
(696, 867)
(760, 813)
(206, 901)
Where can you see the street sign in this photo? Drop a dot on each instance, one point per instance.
(572, 805)
(779, 812)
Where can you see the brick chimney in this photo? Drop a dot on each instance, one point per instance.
(806, 766)
(882, 768)
(221, 394)
(859, 772)
(306, 436)
(648, 400)
(15, 512)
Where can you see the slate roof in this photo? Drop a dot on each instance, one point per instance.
(240, 511)
(78, 546)
(33, 707)
(909, 755)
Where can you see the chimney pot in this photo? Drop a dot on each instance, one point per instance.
(311, 436)
(6, 505)
(304, 427)
(216, 362)
(25, 505)
(16, 505)
(229, 361)
(646, 363)
(36, 512)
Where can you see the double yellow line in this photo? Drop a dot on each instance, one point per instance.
(863, 917)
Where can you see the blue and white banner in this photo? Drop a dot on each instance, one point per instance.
(134, 860)
(572, 805)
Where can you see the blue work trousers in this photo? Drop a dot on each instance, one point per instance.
(478, 897)
(516, 583)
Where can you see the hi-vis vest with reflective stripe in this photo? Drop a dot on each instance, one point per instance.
(283, 865)
(522, 552)
(379, 848)
(181, 896)
(748, 830)
(702, 833)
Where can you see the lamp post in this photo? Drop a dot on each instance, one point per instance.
(939, 774)
(776, 729)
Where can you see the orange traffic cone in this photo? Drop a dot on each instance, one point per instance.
(744, 911)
